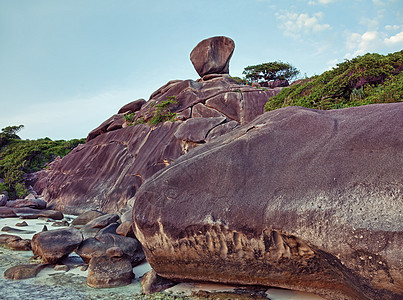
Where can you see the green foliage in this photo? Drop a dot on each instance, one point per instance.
(161, 113)
(9, 133)
(19, 157)
(276, 70)
(367, 79)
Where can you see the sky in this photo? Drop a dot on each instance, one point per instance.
(66, 66)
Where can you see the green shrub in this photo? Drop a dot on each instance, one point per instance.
(372, 78)
(161, 112)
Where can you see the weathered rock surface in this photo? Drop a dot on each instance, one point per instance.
(32, 213)
(54, 245)
(107, 171)
(102, 221)
(32, 203)
(212, 55)
(15, 242)
(153, 283)
(86, 217)
(299, 198)
(98, 246)
(132, 106)
(7, 212)
(23, 271)
(109, 271)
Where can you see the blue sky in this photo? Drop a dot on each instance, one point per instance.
(66, 66)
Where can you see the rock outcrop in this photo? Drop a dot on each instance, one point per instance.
(299, 198)
(109, 168)
(212, 55)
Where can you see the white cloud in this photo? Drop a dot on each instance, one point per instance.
(372, 41)
(295, 24)
(311, 2)
(392, 27)
(395, 39)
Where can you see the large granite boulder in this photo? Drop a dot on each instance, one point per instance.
(109, 168)
(212, 55)
(299, 198)
(55, 245)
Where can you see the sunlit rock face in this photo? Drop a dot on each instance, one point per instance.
(108, 169)
(299, 198)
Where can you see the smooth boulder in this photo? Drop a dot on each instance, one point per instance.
(110, 270)
(23, 271)
(212, 55)
(55, 245)
(299, 198)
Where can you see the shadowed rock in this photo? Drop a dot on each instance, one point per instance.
(32, 203)
(153, 283)
(86, 217)
(97, 246)
(110, 270)
(299, 198)
(212, 56)
(55, 245)
(132, 106)
(23, 271)
(15, 242)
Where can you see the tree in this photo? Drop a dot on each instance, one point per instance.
(8, 133)
(276, 70)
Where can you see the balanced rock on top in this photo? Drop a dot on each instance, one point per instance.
(212, 56)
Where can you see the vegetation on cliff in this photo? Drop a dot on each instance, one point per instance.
(18, 157)
(367, 79)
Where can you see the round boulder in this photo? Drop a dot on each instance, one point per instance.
(212, 56)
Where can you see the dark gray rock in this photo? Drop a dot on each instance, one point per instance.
(153, 283)
(111, 228)
(132, 106)
(196, 129)
(102, 221)
(299, 198)
(23, 271)
(3, 199)
(86, 217)
(55, 245)
(105, 271)
(97, 246)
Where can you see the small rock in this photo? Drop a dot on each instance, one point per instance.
(125, 229)
(22, 224)
(55, 245)
(23, 271)
(115, 252)
(103, 221)
(45, 228)
(111, 228)
(14, 242)
(32, 213)
(61, 268)
(15, 230)
(84, 218)
(28, 202)
(105, 272)
(7, 212)
(153, 283)
(84, 268)
(132, 106)
(61, 223)
(98, 246)
(3, 200)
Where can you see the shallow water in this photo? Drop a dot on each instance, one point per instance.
(72, 285)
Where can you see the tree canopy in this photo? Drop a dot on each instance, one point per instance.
(276, 70)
